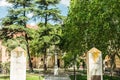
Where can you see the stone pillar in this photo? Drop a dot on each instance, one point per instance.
(18, 64)
(56, 64)
(94, 64)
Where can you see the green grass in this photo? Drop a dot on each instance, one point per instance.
(34, 77)
(78, 77)
(4, 77)
(111, 78)
(29, 77)
(84, 77)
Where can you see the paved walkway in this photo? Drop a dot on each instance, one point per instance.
(57, 77)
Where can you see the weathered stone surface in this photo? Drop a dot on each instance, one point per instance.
(94, 64)
(18, 64)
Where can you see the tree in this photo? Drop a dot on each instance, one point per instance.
(47, 11)
(15, 23)
(92, 23)
(113, 51)
(52, 38)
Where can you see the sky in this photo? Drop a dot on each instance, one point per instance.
(63, 6)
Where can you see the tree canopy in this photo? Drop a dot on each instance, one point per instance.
(15, 23)
(91, 23)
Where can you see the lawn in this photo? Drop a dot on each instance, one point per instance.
(79, 77)
(34, 77)
(29, 77)
(105, 77)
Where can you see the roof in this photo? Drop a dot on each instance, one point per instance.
(32, 26)
(18, 34)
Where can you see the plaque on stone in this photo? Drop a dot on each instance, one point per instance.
(94, 64)
(18, 64)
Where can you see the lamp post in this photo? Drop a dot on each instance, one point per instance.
(56, 64)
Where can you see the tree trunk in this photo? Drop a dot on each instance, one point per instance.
(45, 57)
(27, 45)
(29, 57)
(45, 66)
(112, 65)
(74, 68)
(74, 73)
(45, 44)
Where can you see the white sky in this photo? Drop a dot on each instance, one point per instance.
(4, 3)
(65, 2)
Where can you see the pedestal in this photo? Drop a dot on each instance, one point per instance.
(56, 70)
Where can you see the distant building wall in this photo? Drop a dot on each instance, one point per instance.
(4, 55)
(37, 62)
(107, 61)
(117, 61)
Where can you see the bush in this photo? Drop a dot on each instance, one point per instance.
(5, 67)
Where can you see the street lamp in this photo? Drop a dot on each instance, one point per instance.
(56, 64)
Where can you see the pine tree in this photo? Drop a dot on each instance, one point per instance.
(48, 12)
(15, 22)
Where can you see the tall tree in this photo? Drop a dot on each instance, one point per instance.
(15, 22)
(92, 23)
(48, 12)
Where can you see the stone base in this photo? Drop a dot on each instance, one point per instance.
(55, 70)
(96, 77)
(57, 77)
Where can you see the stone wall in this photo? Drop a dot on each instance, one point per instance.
(4, 55)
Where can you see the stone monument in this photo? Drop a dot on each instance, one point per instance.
(56, 65)
(56, 76)
(18, 64)
(55, 60)
(94, 64)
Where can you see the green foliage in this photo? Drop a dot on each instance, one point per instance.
(47, 10)
(15, 22)
(17, 13)
(52, 32)
(47, 34)
(13, 43)
(71, 59)
(5, 67)
(91, 23)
